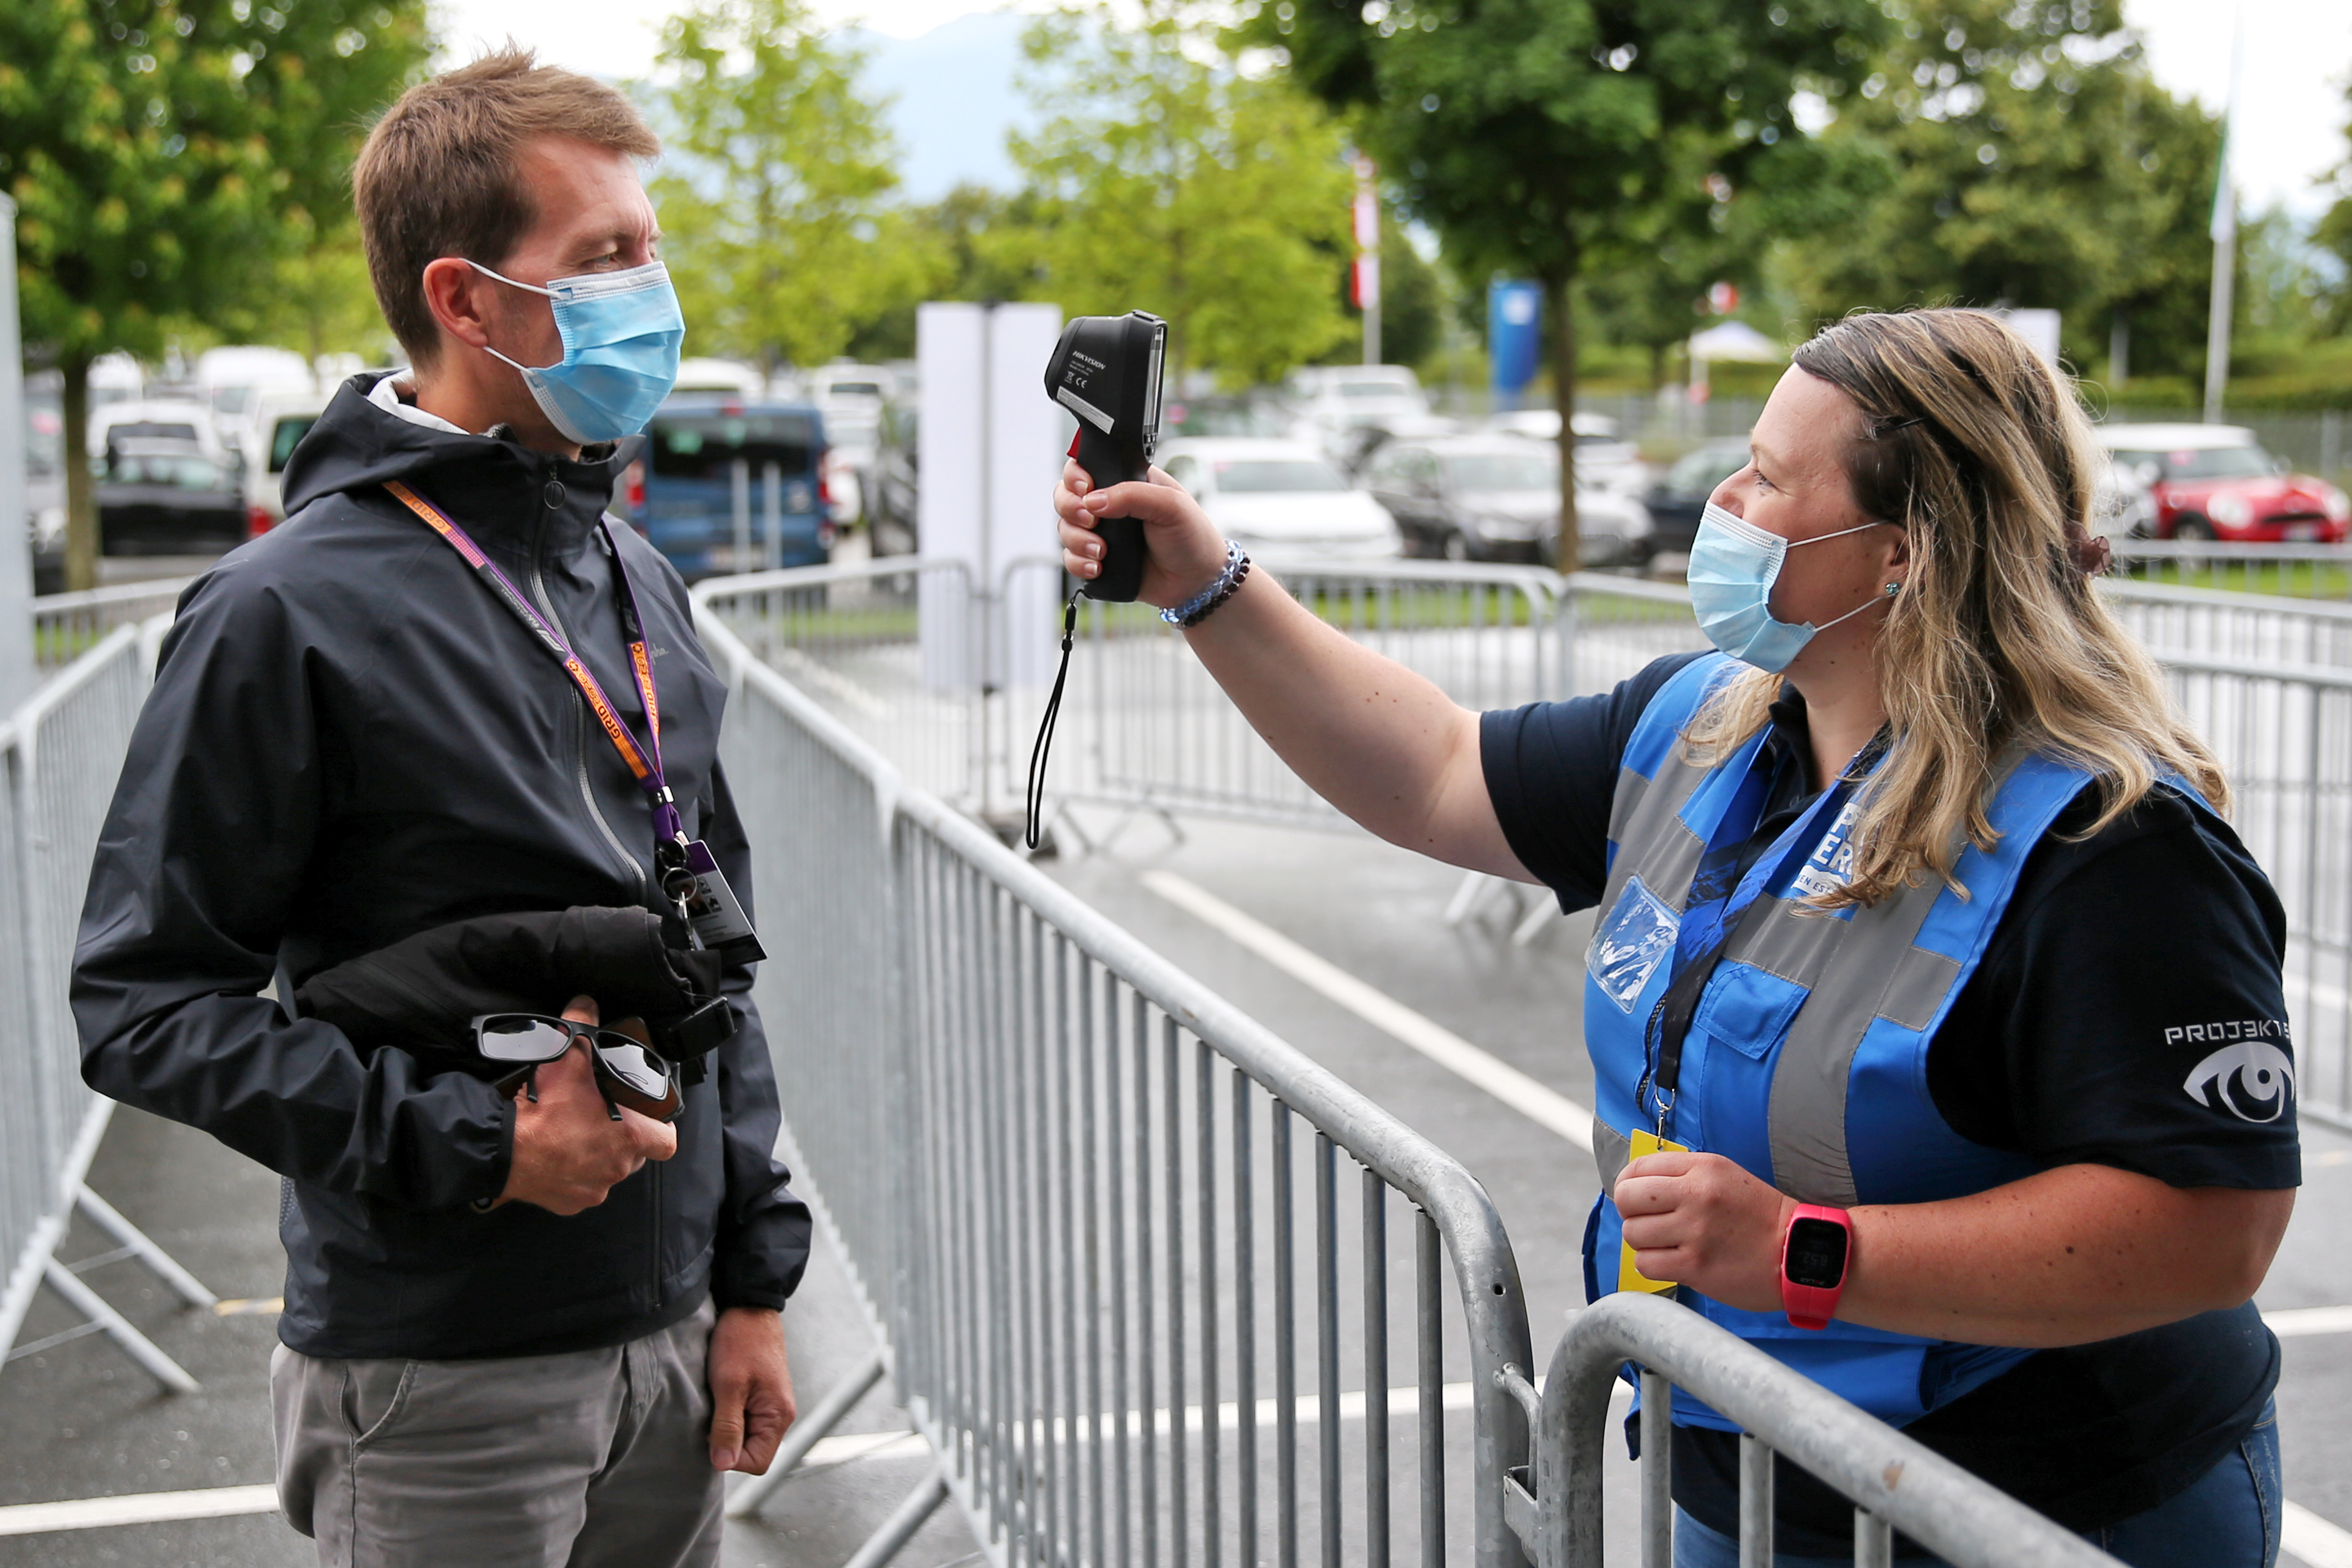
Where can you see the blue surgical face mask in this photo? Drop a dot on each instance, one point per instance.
(622, 333)
(1733, 566)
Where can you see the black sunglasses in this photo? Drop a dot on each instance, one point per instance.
(627, 1070)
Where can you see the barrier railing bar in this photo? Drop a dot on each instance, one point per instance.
(1245, 1476)
(1657, 1471)
(1204, 1097)
(1429, 1411)
(1894, 1480)
(1172, 1180)
(1756, 1504)
(1376, 1370)
(1286, 1350)
(1327, 1343)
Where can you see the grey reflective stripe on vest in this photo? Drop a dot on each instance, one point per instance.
(1645, 821)
(1611, 1151)
(1855, 969)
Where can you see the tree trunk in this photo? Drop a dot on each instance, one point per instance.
(81, 500)
(1569, 556)
(1657, 367)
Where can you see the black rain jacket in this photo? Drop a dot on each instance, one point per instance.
(352, 741)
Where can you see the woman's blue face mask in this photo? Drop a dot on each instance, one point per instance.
(622, 335)
(1733, 566)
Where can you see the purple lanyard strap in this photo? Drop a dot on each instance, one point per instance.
(644, 762)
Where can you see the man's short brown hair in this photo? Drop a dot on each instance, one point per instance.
(437, 176)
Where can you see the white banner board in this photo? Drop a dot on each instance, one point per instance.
(991, 445)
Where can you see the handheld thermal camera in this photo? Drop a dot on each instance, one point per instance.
(1105, 370)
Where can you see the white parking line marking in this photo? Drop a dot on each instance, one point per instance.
(141, 1508)
(2318, 1542)
(1539, 1103)
(2295, 1322)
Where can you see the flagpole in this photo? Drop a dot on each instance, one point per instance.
(2225, 244)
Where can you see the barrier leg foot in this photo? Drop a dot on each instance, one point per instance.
(1541, 913)
(1468, 897)
(166, 1268)
(900, 1527)
(136, 1345)
(745, 1499)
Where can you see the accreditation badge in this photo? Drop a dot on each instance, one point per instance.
(1628, 1276)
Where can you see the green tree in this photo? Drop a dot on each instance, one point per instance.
(2333, 232)
(1533, 134)
(780, 233)
(1413, 303)
(2024, 156)
(166, 158)
(1168, 180)
(974, 244)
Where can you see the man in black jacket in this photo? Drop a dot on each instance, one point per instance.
(357, 733)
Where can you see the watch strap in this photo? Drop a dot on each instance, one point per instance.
(1812, 1305)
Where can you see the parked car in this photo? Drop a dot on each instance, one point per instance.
(1496, 498)
(180, 419)
(721, 485)
(279, 423)
(1604, 460)
(2215, 481)
(168, 497)
(893, 484)
(1331, 400)
(1280, 495)
(1675, 501)
(44, 495)
(1225, 414)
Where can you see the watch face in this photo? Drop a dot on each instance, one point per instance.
(1816, 1254)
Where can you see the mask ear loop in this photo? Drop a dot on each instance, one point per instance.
(1035, 793)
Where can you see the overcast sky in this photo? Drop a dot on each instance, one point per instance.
(2298, 54)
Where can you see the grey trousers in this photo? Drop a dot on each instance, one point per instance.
(591, 1459)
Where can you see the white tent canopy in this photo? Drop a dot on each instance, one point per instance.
(1736, 341)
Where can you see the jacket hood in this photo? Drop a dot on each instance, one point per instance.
(356, 445)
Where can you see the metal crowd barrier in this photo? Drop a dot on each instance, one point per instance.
(1894, 1482)
(2287, 570)
(1118, 1243)
(67, 625)
(2204, 624)
(1155, 1287)
(60, 753)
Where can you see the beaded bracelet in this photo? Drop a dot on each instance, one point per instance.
(1197, 608)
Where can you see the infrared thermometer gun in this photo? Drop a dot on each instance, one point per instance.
(1106, 371)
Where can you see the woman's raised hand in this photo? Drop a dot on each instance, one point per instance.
(1186, 550)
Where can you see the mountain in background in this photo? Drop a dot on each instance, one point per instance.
(954, 100)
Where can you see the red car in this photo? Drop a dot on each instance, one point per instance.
(2214, 481)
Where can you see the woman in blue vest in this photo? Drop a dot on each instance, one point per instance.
(1935, 1012)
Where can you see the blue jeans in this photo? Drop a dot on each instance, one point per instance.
(2228, 1519)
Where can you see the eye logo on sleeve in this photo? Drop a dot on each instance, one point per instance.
(2249, 1077)
(1629, 944)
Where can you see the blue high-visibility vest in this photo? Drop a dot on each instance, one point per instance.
(1806, 1058)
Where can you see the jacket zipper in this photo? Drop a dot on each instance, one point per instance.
(580, 719)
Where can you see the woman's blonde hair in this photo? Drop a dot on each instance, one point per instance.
(1979, 451)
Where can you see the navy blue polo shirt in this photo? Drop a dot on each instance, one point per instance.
(2125, 961)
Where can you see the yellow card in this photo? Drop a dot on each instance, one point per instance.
(1628, 1276)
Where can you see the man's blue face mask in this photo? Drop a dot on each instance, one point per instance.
(622, 334)
(1733, 566)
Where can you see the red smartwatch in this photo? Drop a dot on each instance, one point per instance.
(1815, 1251)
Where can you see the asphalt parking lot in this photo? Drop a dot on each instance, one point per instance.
(79, 1421)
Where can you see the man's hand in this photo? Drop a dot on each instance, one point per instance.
(1700, 1220)
(569, 1152)
(750, 1390)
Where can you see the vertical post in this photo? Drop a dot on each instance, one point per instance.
(2225, 249)
(2331, 442)
(1368, 257)
(771, 497)
(15, 562)
(740, 472)
(1755, 1520)
(1657, 1471)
